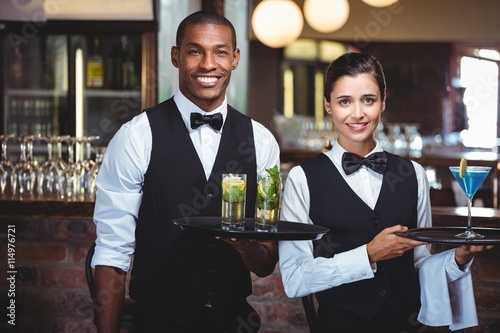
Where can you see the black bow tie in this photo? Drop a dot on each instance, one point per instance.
(352, 162)
(214, 120)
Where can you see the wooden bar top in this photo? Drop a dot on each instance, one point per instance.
(457, 217)
(42, 208)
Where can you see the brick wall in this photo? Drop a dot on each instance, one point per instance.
(51, 288)
(52, 294)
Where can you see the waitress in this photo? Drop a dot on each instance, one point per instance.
(363, 274)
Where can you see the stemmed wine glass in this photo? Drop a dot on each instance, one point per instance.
(85, 163)
(92, 173)
(61, 163)
(70, 173)
(24, 175)
(51, 173)
(470, 179)
(6, 168)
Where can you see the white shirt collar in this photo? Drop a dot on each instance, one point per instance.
(186, 107)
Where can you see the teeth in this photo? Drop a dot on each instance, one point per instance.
(356, 125)
(206, 79)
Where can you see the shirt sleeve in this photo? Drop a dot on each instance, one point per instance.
(119, 193)
(266, 148)
(302, 274)
(424, 213)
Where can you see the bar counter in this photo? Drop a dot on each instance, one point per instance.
(442, 216)
(52, 239)
(38, 208)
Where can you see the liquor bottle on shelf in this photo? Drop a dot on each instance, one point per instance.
(17, 69)
(36, 118)
(47, 118)
(95, 68)
(24, 120)
(13, 118)
(130, 79)
(113, 65)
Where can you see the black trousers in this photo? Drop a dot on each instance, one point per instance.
(334, 319)
(149, 320)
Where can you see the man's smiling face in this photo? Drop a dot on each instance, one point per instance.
(205, 60)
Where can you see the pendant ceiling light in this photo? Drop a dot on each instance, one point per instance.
(380, 3)
(277, 23)
(326, 15)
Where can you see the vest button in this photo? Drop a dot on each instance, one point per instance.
(383, 292)
(209, 196)
(375, 222)
(211, 270)
(210, 293)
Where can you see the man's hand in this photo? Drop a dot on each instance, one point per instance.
(259, 257)
(387, 245)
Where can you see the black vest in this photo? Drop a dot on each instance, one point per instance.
(352, 223)
(174, 271)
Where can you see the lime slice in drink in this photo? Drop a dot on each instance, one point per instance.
(264, 186)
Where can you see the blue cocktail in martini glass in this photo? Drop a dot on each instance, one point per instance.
(470, 182)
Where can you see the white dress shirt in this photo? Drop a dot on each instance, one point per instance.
(302, 274)
(121, 176)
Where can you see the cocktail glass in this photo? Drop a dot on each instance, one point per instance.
(233, 201)
(470, 183)
(267, 205)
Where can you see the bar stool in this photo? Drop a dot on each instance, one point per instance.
(310, 310)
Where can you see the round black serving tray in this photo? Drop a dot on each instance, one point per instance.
(447, 235)
(286, 230)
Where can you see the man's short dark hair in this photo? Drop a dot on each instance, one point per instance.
(204, 17)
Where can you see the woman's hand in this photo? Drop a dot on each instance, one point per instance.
(387, 245)
(465, 253)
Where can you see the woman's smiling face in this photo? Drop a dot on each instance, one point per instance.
(355, 105)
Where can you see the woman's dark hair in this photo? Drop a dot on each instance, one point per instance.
(204, 17)
(353, 64)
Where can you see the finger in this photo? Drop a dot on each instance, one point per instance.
(396, 228)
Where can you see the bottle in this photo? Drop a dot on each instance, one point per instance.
(17, 68)
(12, 125)
(36, 118)
(47, 118)
(130, 79)
(95, 68)
(24, 119)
